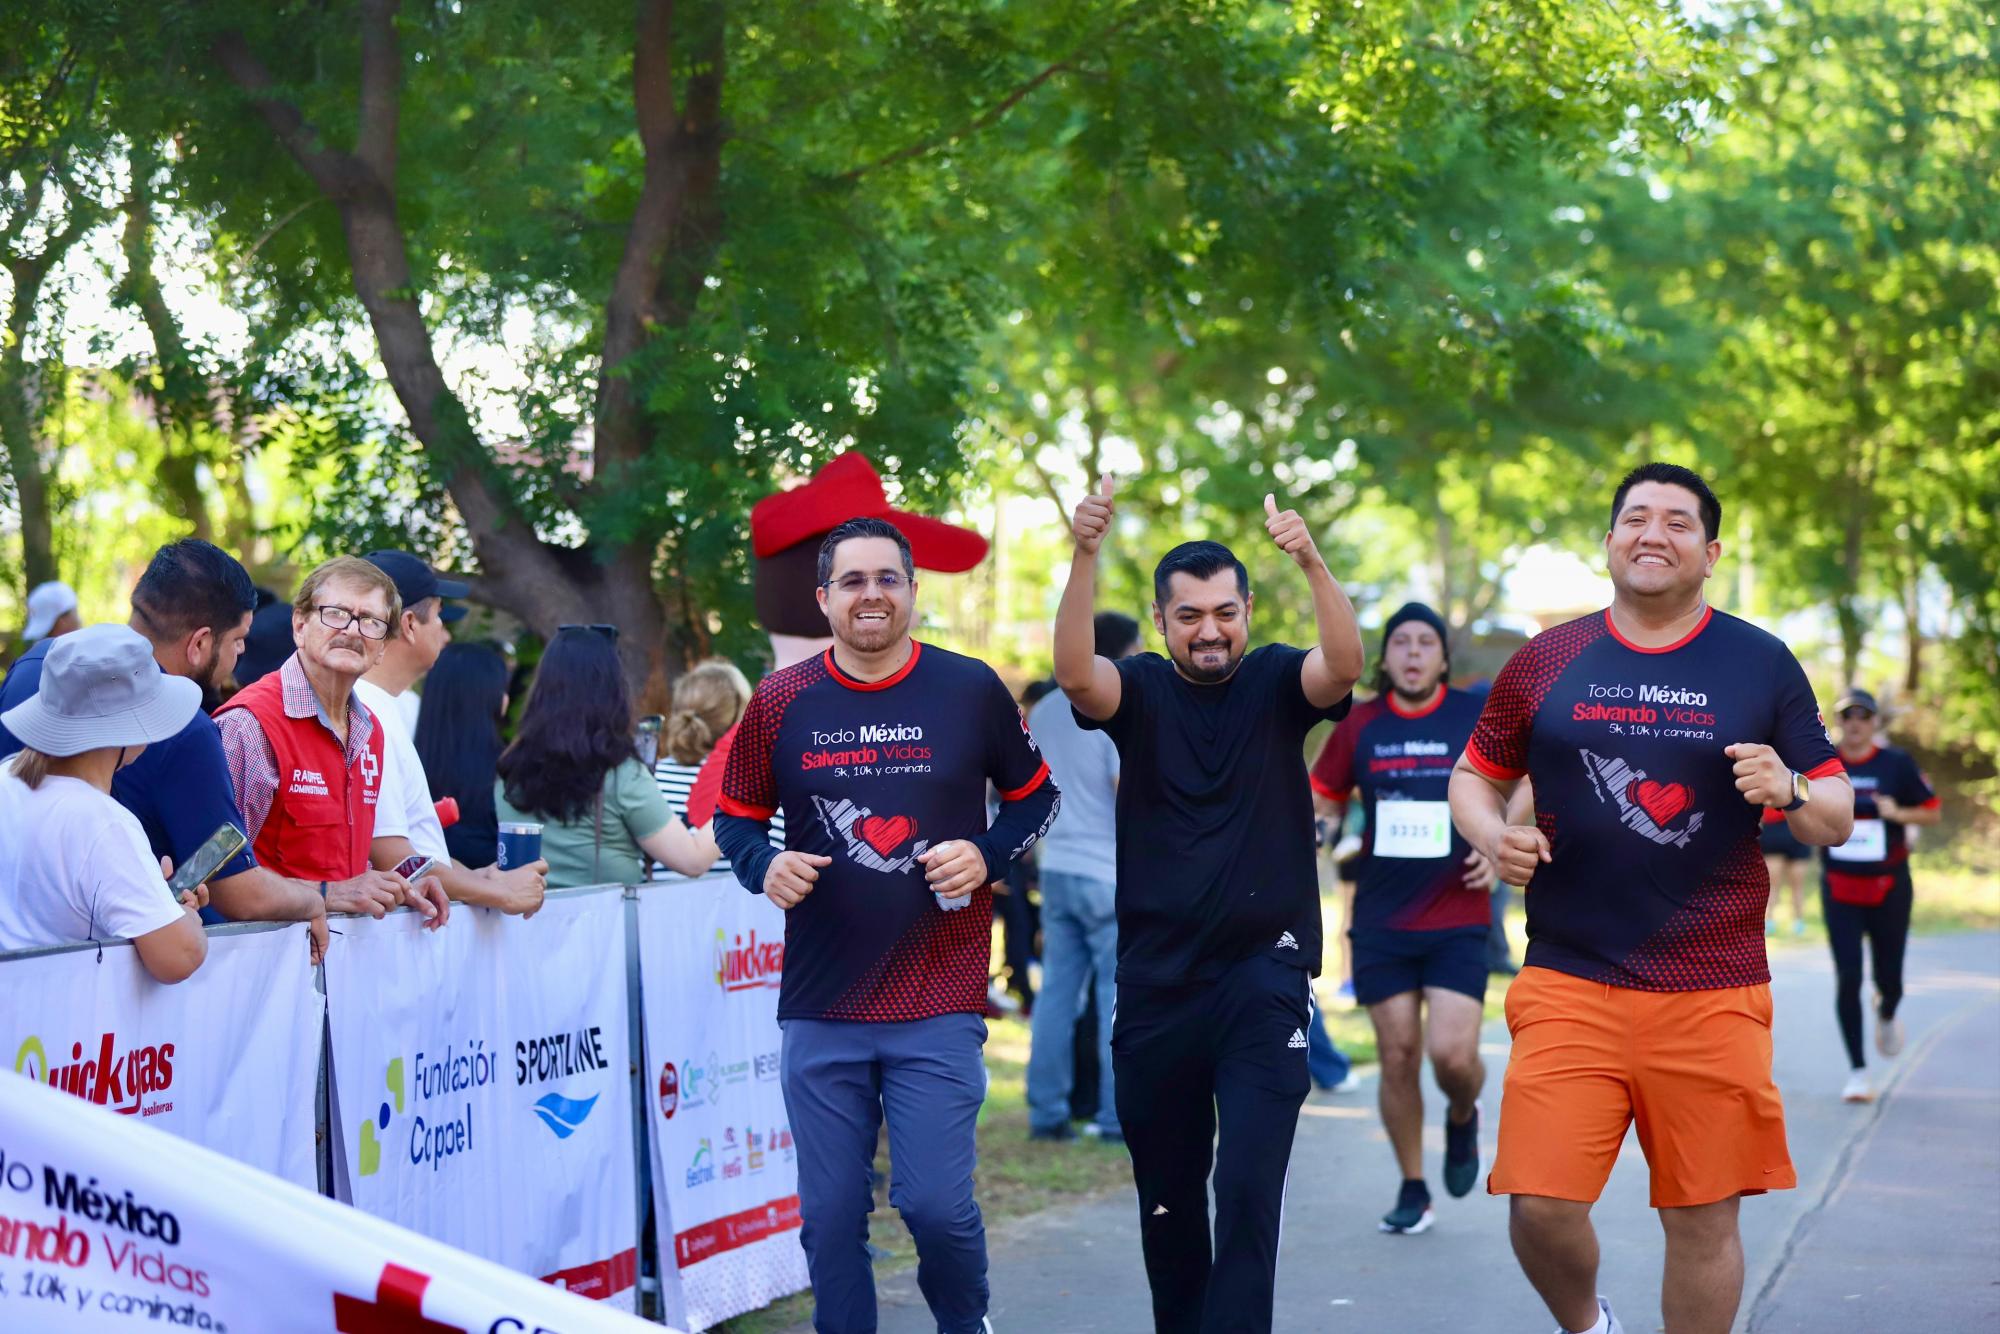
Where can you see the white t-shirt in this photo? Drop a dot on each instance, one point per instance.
(74, 867)
(404, 806)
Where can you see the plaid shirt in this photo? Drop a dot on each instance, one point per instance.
(253, 766)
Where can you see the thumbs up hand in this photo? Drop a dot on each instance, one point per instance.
(1289, 531)
(1093, 517)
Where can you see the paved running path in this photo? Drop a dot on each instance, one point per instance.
(1895, 1224)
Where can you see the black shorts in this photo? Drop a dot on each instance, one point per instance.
(1778, 840)
(1388, 963)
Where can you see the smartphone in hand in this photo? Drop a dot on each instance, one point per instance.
(415, 867)
(206, 860)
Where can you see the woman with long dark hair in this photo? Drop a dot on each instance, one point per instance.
(574, 770)
(458, 739)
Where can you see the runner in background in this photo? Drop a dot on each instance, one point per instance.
(1218, 903)
(1655, 732)
(1422, 907)
(1785, 859)
(1865, 887)
(879, 751)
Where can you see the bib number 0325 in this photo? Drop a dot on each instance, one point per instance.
(1413, 829)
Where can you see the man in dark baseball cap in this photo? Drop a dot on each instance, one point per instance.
(406, 821)
(416, 581)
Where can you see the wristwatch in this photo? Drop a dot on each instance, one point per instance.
(1801, 791)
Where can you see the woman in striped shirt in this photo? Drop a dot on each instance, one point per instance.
(708, 700)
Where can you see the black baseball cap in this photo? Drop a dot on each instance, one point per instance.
(1855, 698)
(416, 581)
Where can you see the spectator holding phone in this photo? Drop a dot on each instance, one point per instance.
(406, 821)
(305, 755)
(74, 862)
(574, 769)
(193, 605)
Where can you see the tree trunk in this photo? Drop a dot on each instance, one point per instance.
(20, 428)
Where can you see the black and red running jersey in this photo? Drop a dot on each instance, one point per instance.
(873, 774)
(1412, 859)
(1878, 846)
(1657, 882)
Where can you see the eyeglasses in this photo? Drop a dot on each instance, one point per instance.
(598, 628)
(888, 581)
(1852, 714)
(339, 618)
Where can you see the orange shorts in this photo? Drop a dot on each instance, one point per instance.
(1693, 1068)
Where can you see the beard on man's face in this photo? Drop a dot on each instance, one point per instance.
(1208, 660)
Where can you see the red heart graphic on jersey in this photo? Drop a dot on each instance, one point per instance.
(886, 833)
(1662, 801)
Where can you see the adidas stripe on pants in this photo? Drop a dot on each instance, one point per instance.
(1227, 1056)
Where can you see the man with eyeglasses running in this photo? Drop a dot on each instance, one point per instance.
(304, 753)
(879, 751)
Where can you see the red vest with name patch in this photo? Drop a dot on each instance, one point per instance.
(323, 814)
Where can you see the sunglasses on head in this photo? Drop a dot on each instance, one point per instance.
(600, 628)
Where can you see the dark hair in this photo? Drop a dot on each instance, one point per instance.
(1672, 474)
(1036, 691)
(1199, 560)
(458, 728)
(191, 584)
(1116, 633)
(854, 528)
(576, 728)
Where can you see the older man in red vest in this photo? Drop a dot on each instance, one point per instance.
(306, 755)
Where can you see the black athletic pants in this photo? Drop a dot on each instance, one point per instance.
(1229, 1055)
(1887, 926)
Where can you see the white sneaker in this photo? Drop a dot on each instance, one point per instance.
(1889, 1035)
(1857, 1088)
(1611, 1325)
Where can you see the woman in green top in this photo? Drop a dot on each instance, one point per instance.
(573, 769)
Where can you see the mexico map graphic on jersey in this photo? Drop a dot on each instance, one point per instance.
(872, 839)
(1646, 807)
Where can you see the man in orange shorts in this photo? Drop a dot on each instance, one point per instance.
(1655, 733)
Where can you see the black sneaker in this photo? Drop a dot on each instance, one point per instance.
(1412, 1213)
(1062, 1130)
(1461, 1153)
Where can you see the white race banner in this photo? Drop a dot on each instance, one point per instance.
(725, 1174)
(229, 1058)
(482, 1085)
(106, 1224)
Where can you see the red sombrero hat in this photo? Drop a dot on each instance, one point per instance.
(785, 530)
(848, 487)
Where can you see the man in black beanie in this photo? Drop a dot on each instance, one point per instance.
(1421, 910)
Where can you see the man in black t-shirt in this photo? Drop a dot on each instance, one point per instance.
(1218, 902)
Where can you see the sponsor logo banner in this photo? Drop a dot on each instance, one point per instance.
(109, 1225)
(228, 1058)
(481, 1086)
(725, 1171)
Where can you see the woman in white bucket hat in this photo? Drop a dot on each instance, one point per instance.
(74, 864)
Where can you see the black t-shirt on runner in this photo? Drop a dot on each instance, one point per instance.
(1412, 858)
(872, 774)
(1215, 838)
(1656, 881)
(1879, 846)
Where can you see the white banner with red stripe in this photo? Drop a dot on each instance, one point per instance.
(725, 1173)
(481, 1078)
(228, 1058)
(106, 1224)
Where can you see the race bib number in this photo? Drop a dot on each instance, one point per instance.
(1869, 843)
(1412, 829)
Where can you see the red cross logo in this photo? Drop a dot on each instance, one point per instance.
(398, 1307)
